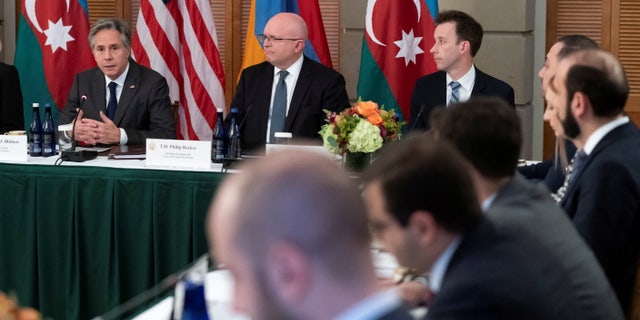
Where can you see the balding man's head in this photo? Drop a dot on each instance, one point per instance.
(285, 212)
(600, 76)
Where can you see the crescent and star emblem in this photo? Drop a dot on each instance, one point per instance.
(408, 44)
(57, 34)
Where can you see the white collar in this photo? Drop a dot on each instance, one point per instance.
(373, 306)
(119, 80)
(467, 80)
(597, 135)
(440, 266)
(294, 69)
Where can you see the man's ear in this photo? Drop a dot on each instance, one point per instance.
(579, 104)
(289, 272)
(423, 226)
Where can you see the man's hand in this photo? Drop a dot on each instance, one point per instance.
(92, 131)
(414, 294)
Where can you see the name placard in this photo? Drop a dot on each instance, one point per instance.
(178, 153)
(13, 148)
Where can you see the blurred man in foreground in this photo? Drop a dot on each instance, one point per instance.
(293, 232)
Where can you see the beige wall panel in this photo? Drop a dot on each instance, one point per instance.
(496, 15)
(350, 51)
(509, 57)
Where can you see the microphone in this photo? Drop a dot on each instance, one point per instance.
(73, 154)
(415, 122)
(74, 143)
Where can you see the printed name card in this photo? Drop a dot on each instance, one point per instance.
(179, 153)
(13, 148)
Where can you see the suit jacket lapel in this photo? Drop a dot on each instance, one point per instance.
(128, 91)
(479, 83)
(302, 85)
(613, 136)
(98, 94)
(262, 88)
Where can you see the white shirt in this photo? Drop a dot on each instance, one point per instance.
(372, 307)
(597, 135)
(467, 81)
(290, 81)
(440, 266)
(486, 203)
(120, 81)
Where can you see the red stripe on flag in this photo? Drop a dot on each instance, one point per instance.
(192, 66)
(310, 12)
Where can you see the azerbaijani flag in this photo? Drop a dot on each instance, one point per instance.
(261, 11)
(52, 47)
(395, 51)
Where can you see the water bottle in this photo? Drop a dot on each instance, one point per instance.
(218, 141)
(195, 305)
(35, 132)
(48, 133)
(234, 136)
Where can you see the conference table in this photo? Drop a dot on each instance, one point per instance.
(79, 239)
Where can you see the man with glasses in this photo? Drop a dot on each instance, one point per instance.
(287, 92)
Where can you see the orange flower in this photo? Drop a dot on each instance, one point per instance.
(374, 119)
(367, 108)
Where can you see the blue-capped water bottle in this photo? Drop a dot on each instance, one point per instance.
(235, 149)
(35, 132)
(219, 139)
(48, 133)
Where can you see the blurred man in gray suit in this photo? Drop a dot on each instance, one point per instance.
(293, 232)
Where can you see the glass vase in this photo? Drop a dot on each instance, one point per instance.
(356, 161)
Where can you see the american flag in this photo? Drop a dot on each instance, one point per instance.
(177, 38)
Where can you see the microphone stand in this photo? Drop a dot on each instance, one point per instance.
(73, 154)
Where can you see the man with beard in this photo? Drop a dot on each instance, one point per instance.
(292, 231)
(602, 194)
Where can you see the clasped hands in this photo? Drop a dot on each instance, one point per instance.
(92, 131)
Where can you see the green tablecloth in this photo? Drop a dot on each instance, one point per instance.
(76, 241)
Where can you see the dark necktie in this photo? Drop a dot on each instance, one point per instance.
(574, 168)
(455, 92)
(279, 111)
(113, 100)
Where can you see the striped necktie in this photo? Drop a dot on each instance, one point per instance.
(455, 92)
(574, 167)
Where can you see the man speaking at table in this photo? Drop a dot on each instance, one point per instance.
(121, 101)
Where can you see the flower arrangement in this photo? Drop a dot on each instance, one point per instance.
(364, 127)
(9, 310)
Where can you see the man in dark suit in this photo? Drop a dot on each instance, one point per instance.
(457, 40)
(603, 191)
(11, 113)
(423, 208)
(122, 102)
(292, 253)
(309, 88)
(487, 132)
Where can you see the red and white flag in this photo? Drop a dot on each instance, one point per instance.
(177, 38)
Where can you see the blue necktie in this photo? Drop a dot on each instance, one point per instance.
(455, 93)
(113, 100)
(279, 111)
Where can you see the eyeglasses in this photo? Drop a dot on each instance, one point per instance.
(263, 38)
